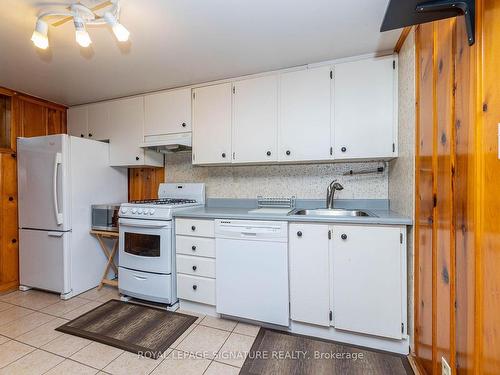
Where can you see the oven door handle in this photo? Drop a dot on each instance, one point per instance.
(145, 225)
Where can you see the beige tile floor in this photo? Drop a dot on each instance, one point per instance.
(30, 345)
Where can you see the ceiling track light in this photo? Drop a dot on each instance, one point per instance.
(82, 16)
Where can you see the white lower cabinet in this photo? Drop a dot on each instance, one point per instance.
(195, 260)
(309, 273)
(367, 279)
(356, 272)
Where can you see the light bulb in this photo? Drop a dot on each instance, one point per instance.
(39, 36)
(119, 30)
(81, 34)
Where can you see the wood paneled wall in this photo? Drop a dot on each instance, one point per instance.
(30, 117)
(457, 225)
(143, 182)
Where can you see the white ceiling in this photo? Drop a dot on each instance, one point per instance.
(180, 42)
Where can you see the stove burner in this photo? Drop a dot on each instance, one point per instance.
(169, 201)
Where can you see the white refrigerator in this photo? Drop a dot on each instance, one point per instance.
(59, 178)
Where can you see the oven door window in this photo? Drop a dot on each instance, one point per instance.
(144, 245)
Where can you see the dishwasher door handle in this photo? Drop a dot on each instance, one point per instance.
(249, 234)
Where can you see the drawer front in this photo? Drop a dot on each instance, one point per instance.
(197, 289)
(197, 246)
(192, 227)
(145, 285)
(196, 266)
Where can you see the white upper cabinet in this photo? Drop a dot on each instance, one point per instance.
(305, 103)
(309, 273)
(212, 124)
(367, 279)
(98, 119)
(126, 120)
(77, 121)
(255, 120)
(364, 119)
(167, 112)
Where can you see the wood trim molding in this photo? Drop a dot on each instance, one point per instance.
(415, 365)
(402, 38)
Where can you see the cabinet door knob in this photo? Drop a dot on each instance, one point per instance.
(193, 248)
(223, 154)
(11, 199)
(288, 152)
(193, 228)
(14, 240)
(343, 149)
(183, 124)
(137, 158)
(195, 287)
(344, 236)
(90, 134)
(81, 135)
(194, 268)
(268, 153)
(299, 233)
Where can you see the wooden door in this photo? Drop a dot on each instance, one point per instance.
(309, 273)
(255, 120)
(56, 121)
(305, 110)
(9, 264)
(364, 101)
(33, 118)
(369, 261)
(212, 124)
(167, 112)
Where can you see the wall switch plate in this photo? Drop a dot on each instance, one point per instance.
(445, 367)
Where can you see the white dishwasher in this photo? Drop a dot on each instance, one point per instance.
(252, 270)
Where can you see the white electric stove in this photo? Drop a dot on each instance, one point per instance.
(146, 243)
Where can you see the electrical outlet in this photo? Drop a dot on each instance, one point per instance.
(445, 367)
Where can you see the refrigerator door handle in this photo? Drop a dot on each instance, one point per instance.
(57, 161)
(55, 234)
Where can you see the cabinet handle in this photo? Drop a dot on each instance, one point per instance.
(90, 134)
(288, 152)
(195, 287)
(268, 153)
(194, 268)
(223, 154)
(299, 233)
(183, 124)
(13, 240)
(11, 199)
(193, 248)
(193, 228)
(344, 236)
(343, 149)
(81, 135)
(137, 158)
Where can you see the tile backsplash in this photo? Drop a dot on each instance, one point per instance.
(306, 181)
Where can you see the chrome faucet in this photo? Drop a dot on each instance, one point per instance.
(330, 192)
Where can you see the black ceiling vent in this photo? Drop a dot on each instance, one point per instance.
(402, 13)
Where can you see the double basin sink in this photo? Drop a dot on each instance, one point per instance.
(333, 212)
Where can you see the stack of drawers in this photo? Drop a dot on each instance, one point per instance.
(195, 256)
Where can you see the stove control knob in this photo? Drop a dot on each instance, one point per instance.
(124, 210)
(139, 211)
(152, 211)
(134, 210)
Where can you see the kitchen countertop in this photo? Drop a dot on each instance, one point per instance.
(237, 211)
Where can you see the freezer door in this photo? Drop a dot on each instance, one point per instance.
(44, 260)
(43, 183)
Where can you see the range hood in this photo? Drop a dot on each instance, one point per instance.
(168, 142)
(401, 13)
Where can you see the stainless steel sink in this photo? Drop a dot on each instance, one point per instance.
(337, 212)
